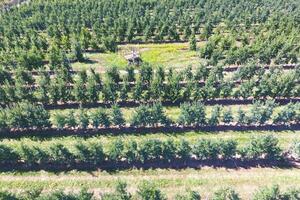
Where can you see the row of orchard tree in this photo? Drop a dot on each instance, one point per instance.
(259, 30)
(149, 84)
(149, 191)
(24, 115)
(265, 147)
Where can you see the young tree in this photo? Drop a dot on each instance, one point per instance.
(79, 89)
(93, 87)
(100, 118)
(83, 119)
(117, 118)
(193, 42)
(77, 51)
(227, 116)
(215, 116)
(43, 87)
(148, 191)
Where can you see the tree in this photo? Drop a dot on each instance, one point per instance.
(241, 118)
(192, 114)
(110, 91)
(77, 51)
(191, 195)
(215, 116)
(80, 89)
(100, 118)
(43, 87)
(93, 87)
(83, 119)
(148, 191)
(226, 194)
(227, 116)
(117, 118)
(193, 42)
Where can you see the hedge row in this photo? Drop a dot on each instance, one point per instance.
(150, 85)
(25, 115)
(149, 191)
(146, 151)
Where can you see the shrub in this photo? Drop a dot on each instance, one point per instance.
(59, 120)
(117, 118)
(131, 151)
(3, 119)
(241, 118)
(26, 115)
(268, 194)
(8, 196)
(147, 191)
(150, 150)
(227, 116)
(191, 195)
(59, 154)
(100, 118)
(168, 150)
(7, 154)
(183, 149)
(71, 119)
(83, 119)
(215, 116)
(89, 152)
(192, 114)
(206, 149)
(119, 194)
(115, 150)
(286, 115)
(226, 194)
(263, 147)
(227, 149)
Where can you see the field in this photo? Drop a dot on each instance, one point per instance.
(173, 55)
(150, 100)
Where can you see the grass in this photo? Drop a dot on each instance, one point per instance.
(171, 182)
(175, 55)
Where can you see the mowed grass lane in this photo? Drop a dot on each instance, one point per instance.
(171, 182)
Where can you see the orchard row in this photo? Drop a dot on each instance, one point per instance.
(28, 116)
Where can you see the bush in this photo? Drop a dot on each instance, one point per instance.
(296, 149)
(263, 147)
(191, 195)
(147, 191)
(227, 116)
(59, 154)
(59, 120)
(226, 194)
(227, 149)
(183, 150)
(119, 194)
(150, 150)
(215, 116)
(89, 152)
(100, 118)
(26, 115)
(115, 150)
(7, 154)
(192, 114)
(206, 149)
(117, 118)
(70, 119)
(146, 115)
(268, 194)
(83, 119)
